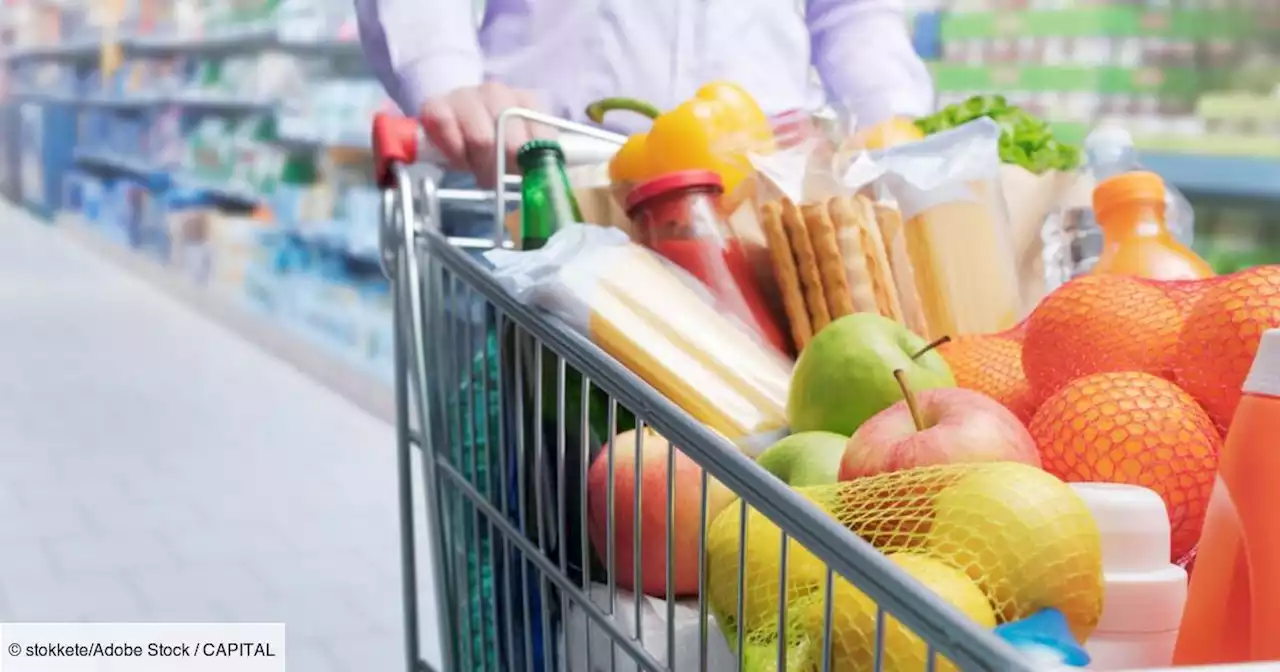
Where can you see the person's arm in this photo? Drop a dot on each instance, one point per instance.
(862, 50)
(420, 49)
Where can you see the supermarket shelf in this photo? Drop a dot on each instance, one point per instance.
(260, 37)
(361, 387)
(44, 98)
(105, 160)
(1219, 177)
(118, 102)
(241, 39)
(76, 50)
(218, 101)
(228, 192)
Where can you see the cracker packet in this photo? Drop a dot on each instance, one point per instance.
(827, 250)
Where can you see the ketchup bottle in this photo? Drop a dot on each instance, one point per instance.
(678, 216)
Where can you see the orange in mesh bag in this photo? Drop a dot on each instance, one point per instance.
(998, 541)
(992, 364)
(1221, 336)
(1100, 323)
(1200, 334)
(1132, 427)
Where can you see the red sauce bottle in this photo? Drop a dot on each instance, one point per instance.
(678, 216)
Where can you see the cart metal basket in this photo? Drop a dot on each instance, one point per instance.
(504, 464)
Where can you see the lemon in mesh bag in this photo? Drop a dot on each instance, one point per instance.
(1021, 537)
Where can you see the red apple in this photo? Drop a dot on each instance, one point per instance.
(686, 491)
(936, 427)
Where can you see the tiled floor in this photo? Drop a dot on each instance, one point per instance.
(154, 467)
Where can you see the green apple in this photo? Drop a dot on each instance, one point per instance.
(807, 458)
(845, 375)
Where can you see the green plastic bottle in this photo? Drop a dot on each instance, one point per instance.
(546, 199)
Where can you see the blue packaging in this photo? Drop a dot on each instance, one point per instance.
(1045, 638)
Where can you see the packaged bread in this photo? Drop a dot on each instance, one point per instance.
(956, 228)
(660, 323)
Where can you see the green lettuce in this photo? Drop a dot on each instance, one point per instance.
(1026, 140)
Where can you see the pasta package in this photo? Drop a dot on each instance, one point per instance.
(956, 228)
(661, 324)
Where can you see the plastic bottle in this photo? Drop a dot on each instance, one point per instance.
(1233, 608)
(1144, 592)
(1130, 208)
(1072, 237)
(1110, 151)
(546, 199)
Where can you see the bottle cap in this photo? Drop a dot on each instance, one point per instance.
(1133, 522)
(1264, 375)
(678, 181)
(1125, 189)
(1108, 137)
(525, 155)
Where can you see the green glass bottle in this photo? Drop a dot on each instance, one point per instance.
(546, 200)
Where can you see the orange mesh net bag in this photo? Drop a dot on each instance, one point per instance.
(996, 541)
(1136, 381)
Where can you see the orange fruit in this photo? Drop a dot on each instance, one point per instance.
(1185, 293)
(1132, 427)
(991, 364)
(1221, 335)
(1096, 324)
(888, 133)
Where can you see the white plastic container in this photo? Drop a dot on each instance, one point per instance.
(1145, 593)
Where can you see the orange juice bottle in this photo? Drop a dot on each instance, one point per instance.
(1130, 209)
(1233, 604)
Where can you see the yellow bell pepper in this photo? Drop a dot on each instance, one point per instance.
(713, 131)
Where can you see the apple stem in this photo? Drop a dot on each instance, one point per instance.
(927, 348)
(910, 398)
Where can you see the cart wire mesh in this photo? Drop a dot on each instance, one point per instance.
(509, 407)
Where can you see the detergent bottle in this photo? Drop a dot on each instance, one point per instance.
(1233, 603)
(1135, 237)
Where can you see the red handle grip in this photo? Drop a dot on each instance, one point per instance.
(395, 140)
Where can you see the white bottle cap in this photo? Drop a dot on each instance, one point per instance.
(1145, 592)
(1108, 136)
(1134, 524)
(1264, 375)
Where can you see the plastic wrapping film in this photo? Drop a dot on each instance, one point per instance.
(589, 647)
(855, 257)
(957, 231)
(660, 323)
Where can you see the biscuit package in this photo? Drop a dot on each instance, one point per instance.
(831, 240)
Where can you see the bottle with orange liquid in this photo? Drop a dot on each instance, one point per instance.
(1233, 605)
(1135, 235)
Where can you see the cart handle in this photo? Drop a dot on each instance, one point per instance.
(400, 139)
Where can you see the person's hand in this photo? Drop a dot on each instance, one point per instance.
(462, 123)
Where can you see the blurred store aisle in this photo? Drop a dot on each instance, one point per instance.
(154, 467)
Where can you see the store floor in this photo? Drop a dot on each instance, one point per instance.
(155, 467)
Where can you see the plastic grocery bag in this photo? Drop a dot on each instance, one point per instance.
(588, 647)
(658, 321)
(957, 228)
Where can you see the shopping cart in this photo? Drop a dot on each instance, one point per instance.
(507, 406)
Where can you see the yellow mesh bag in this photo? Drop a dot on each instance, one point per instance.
(997, 541)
